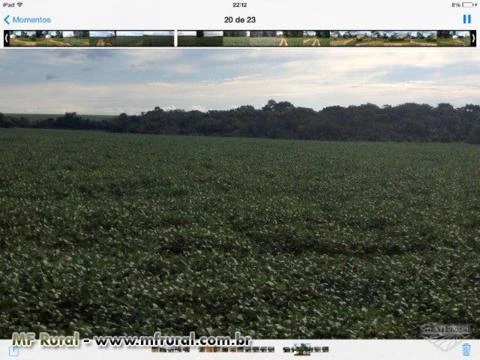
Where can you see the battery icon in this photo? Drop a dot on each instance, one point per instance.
(468, 4)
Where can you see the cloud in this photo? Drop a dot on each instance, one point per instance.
(152, 59)
(101, 33)
(129, 33)
(114, 81)
(99, 54)
(59, 57)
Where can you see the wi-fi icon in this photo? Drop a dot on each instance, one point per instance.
(19, 4)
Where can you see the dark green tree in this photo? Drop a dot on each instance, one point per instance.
(474, 136)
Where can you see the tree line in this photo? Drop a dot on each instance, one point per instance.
(367, 122)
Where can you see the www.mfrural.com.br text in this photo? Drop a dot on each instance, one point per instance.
(44, 339)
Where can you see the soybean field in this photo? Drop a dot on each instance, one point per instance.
(114, 234)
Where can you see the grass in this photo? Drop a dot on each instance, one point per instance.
(102, 41)
(236, 41)
(284, 41)
(127, 234)
(382, 42)
(343, 42)
(453, 42)
(129, 41)
(40, 117)
(146, 40)
(315, 41)
(200, 41)
(122, 41)
(150, 40)
(263, 41)
(52, 42)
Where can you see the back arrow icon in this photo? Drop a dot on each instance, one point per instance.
(6, 19)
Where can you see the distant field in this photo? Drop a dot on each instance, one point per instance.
(144, 41)
(232, 41)
(127, 234)
(18, 41)
(453, 42)
(52, 42)
(286, 41)
(263, 41)
(102, 41)
(149, 40)
(85, 42)
(301, 41)
(39, 117)
(368, 42)
(381, 42)
(412, 42)
(315, 41)
(236, 41)
(343, 42)
(200, 41)
(129, 41)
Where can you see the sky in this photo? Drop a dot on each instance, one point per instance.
(112, 81)
(142, 33)
(101, 33)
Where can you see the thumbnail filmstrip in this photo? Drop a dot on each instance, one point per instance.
(254, 38)
(240, 38)
(326, 38)
(88, 38)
